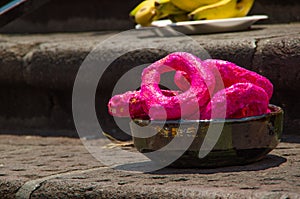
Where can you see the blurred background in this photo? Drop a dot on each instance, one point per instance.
(100, 15)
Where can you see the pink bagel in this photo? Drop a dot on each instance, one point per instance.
(130, 104)
(232, 74)
(175, 107)
(182, 80)
(242, 100)
(119, 105)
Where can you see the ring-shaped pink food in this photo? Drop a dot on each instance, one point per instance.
(118, 105)
(182, 80)
(238, 101)
(130, 104)
(175, 107)
(232, 74)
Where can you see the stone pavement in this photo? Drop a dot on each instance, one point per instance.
(37, 71)
(49, 167)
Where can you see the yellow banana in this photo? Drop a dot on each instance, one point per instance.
(179, 17)
(190, 5)
(219, 10)
(139, 6)
(243, 7)
(166, 7)
(146, 13)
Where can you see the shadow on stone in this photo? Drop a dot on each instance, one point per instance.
(290, 139)
(269, 161)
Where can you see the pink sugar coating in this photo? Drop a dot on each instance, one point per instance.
(181, 80)
(118, 105)
(246, 93)
(184, 104)
(232, 74)
(130, 104)
(240, 100)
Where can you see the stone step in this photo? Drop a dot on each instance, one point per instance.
(38, 71)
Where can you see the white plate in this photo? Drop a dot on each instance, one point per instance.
(208, 26)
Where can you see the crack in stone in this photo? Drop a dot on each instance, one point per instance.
(26, 59)
(25, 191)
(255, 43)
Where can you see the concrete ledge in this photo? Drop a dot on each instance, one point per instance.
(38, 71)
(35, 167)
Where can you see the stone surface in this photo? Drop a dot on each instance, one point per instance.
(38, 70)
(43, 167)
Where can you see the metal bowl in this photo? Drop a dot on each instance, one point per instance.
(241, 141)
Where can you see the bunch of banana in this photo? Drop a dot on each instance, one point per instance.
(151, 10)
(222, 9)
(191, 5)
(184, 10)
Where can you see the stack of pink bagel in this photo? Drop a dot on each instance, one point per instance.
(207, 89)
